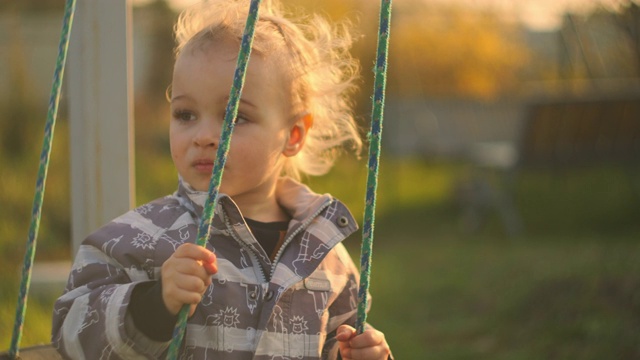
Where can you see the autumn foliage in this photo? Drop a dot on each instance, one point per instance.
(438, 49)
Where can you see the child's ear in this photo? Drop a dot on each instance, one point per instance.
(297, 135)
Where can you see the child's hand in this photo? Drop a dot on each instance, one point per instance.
(186, 276)
(370, 345)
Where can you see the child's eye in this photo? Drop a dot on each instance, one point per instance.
(241, 119)
(184, 115)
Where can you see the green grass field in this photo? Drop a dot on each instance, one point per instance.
(452, 299)
(568, 288)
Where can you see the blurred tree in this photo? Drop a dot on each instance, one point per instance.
(32, 5)
(151, 106)
(629, 22)
(436, 50)
(161, 19)
(18, 107)
(450, 50)
(335, 9)
(604, 44)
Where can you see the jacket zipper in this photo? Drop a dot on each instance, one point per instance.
(293, 234)
(254, 257)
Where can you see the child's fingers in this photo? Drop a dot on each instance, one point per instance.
(192, 309)
(345, 333)
(195, 252)
(188, 291)
(188, 266)
(370, 353)
(186, 276)
(193, 259)
(191, 283)
(179, 289)
(211, 267)
(368, 338)
(369, 345)
(203, 256)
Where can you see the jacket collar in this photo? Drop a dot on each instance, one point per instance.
(297, 199)
(193, 199)
(300, 202)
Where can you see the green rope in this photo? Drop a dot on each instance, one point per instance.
(221, 158)
(374, 158)
(36, 211)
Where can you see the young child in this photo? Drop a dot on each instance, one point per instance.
(274, 281)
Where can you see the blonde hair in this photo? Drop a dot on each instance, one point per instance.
(321, 71)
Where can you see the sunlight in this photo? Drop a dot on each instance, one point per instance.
(542, 15)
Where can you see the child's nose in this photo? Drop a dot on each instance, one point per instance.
(207, 133)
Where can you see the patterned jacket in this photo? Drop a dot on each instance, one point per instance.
(291, 313)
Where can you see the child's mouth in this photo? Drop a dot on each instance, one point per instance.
(203, 165)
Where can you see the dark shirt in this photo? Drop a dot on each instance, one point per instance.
(270, 235)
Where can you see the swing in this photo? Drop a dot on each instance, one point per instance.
(47, 351)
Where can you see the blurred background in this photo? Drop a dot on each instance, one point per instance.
(508, 220)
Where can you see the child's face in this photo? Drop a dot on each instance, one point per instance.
(200, 90)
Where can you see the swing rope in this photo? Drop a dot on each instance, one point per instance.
(36, 211)
(221, 158)
(375, 137)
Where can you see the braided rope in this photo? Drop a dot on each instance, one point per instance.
(36, 211)
(374, 157)
(221, 158)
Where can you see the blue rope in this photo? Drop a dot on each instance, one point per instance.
(221, 158)
(36, 211)
(374, 158)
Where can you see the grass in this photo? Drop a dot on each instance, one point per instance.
(37, 325)
(489, 299)
(568, 288)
